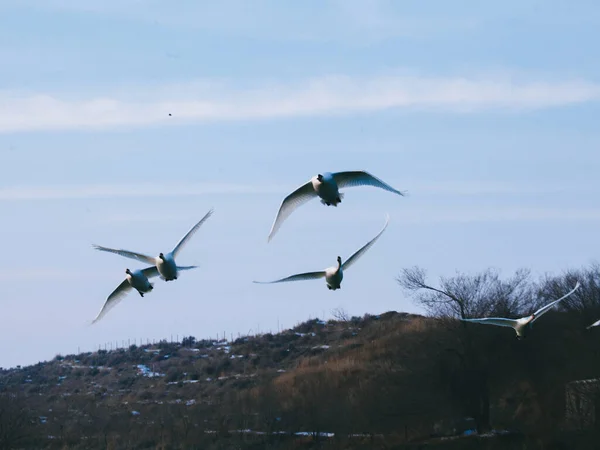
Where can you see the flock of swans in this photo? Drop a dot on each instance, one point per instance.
(325, 186)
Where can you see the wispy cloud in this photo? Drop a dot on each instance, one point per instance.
(127, 218)
(182, 189)
(498, 214)
(54, 192)
(491, 187)
(48, 274)
(358, 22)
(355, 21)
(330, 95)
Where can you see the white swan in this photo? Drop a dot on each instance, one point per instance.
(326, 186)
(333, 275)
(165, 263)
(137, 280)
(524, 324)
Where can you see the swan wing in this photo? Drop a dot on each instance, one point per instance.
(127, 254)
(498, 321)
(595, 324)
(365, 247)
(190, 233)
(113, 299)
(361, 178)
(548, 307)
(150, 272)
(298, 277)
(297, 198)
(186, 267)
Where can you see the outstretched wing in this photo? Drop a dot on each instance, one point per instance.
(127, 254)
(150, 272)
(365, 247)
(545, 309)
(361, 178)
(595, 324)
(186, 267)
(498, 321)
(113, 299)
(190, 233)
(298, 277)
(297, 198)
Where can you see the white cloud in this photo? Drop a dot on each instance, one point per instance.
(55, 192)
(415, 188)
(498, 214)
(330, 95)
(491, 187)
(356, 21)
(126, 218)
(48, 274)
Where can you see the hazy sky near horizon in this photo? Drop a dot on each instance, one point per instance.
(486, 113)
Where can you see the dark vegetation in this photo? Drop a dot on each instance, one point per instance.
(391, 381)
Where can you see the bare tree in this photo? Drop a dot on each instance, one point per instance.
(462, 296)
(340, 315)
(585, 300)
(469, 295)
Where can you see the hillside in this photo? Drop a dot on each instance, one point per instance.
(391, 381)
(361, 383)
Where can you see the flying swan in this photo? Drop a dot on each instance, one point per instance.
(137, 280)
(333, 275)
(524, 324)
(326, 186)
(165, 263)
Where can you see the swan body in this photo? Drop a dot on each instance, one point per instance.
(333, 275)
(166, 266)
(326, 186)
(168, 270)
(138, 280)
(523, 325)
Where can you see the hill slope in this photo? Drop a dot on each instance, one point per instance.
(372, 382)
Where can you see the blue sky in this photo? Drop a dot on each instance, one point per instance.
(485, 113)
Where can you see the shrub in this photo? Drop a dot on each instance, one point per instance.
(126, 382)
(146, 395)
(188, 341)
(173, 375)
